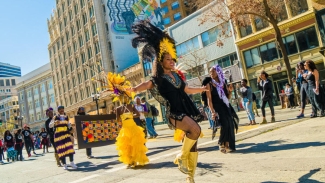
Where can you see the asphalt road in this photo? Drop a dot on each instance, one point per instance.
(289, 150)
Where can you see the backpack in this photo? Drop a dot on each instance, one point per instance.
(254, 97)
(154, 110)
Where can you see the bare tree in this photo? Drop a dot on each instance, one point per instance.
(243, 13)
(194, 64)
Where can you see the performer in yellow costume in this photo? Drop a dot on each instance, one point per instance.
(131, 139)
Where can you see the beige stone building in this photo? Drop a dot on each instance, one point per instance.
(80, 54)
(35, 95)
(8, 110)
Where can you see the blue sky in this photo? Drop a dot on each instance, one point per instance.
(23, 33)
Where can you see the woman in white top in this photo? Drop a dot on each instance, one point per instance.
(140, 121)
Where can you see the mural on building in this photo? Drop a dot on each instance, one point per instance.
(122, 14)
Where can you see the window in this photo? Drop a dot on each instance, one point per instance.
(175, 5)
(71, 99)
(60, 59)
(245, 30)
(35, 91)
(78, 25)
(90, 54)
(88, 91)
(268, 52)
(29, 93)
(50, 85)
(81, 41)
(62, 41)
(147, 66)
(67, 69)
(104, 9)
(50, 53)
(84, 18)
(106, 26)
(64, 55)
(76, 9)
(298, 7)
(87, 35)
(64, 88)
(43, 87)
(77, 62)
(283, 14)
(65, 21)
(7, 82)
(224, 61)
(290, 44)
(58, 45)
(61, 26)
(260, 23)
(177, 16)
(37, 103)
(74, 82)
(82, 94)
(94, 88)
(167, 21)
(91, 11)
(13, 82)
(92, 71)
(52, 98)
(306, 39)
(195, 72)
(75, 46)
(32, 117)
(67, 36)
(210, 36)
(82, 3)
(109, 46)
(94, 29)
(165, 9)
(188, 46)
(69, 85)
(70, 15)
(63, 7)
(79, 78)
(86, 74)
(30, 105)
(83, 58)
(38, 116)
(252, 57)
(44, 101)
(72, 31)
(76, 97)
(97, 50)
(163, 1)
(71, 66)
(2, 83)
(69, 51)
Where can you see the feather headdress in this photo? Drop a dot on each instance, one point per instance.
(156, 41)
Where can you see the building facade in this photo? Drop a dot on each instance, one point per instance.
(80, 53)
(35, 95)
(8, 110)
(7, 70)
(303, 36)
(8, 87)
(175, 10)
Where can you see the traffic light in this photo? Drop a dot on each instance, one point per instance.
(0, 122)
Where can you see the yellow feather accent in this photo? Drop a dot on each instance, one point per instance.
(167, 47)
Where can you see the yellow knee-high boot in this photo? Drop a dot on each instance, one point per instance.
(182, 158)
(192, 163)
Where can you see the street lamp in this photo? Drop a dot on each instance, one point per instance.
(20, 118)
(95, 99)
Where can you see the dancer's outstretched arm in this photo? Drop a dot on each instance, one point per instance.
(192, 90)
(143, 86)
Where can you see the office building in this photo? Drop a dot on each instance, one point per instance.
(175, 10)
(8, 110)
(7, 87)
(35, 95)
(7, 70)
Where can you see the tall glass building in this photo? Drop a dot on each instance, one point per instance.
(7, 70)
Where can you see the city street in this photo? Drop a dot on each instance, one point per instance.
(285, 151)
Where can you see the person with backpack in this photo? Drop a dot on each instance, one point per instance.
(152, 132)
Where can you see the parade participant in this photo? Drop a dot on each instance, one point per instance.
(28, 139)
(19, 145)
(265, 85)
(1, 152)
(81, 112)
(50, 131)
(62, 140)
(9, 144)
(45, 140)
(218, 101)
(171, 91)
(33, 141)
(247, 95)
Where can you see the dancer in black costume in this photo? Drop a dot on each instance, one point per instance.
(171, 91)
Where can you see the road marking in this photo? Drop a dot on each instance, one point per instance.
(85, 178)
(166, 155)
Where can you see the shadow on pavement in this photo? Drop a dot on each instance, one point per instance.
(168, 164)
(90, 167)
(161, 149)
(272, 146)
(105, 157)
(209, 167)
(305, 178)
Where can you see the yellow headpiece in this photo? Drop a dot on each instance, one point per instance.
(166, 46)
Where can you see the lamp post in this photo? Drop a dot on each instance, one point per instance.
(95, 99)
(20, 118)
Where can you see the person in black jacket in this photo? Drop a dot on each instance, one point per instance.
(265, 85)
(81, 111)
(50, 131)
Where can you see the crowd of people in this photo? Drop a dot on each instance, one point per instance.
(169, 88)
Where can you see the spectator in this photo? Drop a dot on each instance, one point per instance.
(296, 92)
(1, 152)
(205, 102)
(265, 85)
(290, 95)
(255, 105)
(140, 121)
(148, 116)
(301, 71)
(315, 92)
(247, 94)
(81, 112)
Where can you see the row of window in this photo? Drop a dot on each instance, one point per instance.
(225, 61)
(41, 102)
(177, 16)
(294, 43)
(8, 83)
(5, 91)
(296, 8)
(36, 90)
(9, 104)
